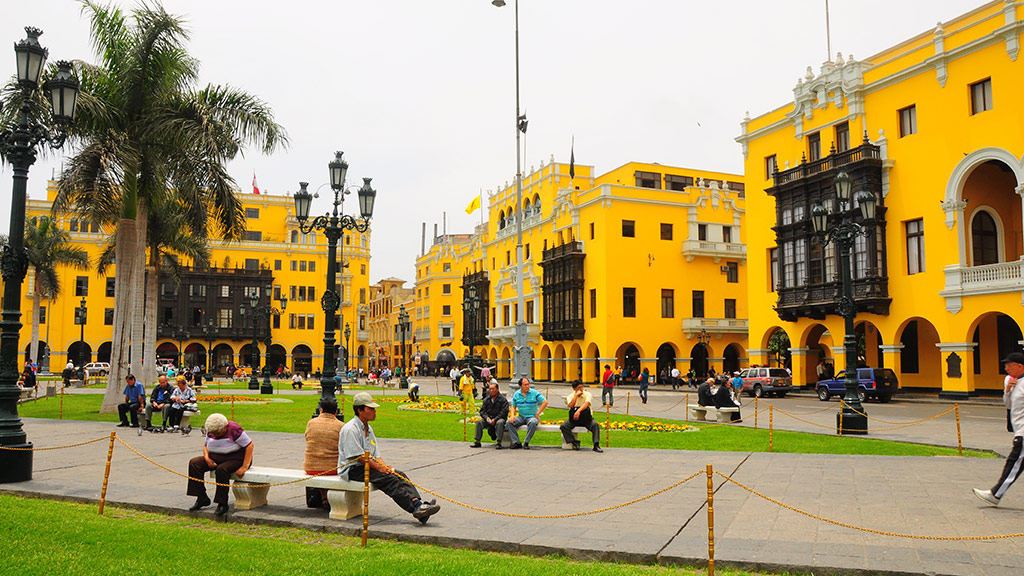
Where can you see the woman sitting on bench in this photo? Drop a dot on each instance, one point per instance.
(726, 397)
(184, 398)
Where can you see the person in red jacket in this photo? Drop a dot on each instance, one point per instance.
(608, 382)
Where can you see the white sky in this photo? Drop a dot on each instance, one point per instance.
(421, 95)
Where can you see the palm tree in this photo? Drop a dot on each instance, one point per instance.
(143, 129)
(48, 247)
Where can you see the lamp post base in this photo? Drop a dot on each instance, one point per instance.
(850, 422)
(403, 383)
(254, 384)
(266, 387)
(16, 465)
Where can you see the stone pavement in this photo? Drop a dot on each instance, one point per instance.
(924, 496)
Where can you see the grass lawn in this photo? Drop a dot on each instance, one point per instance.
(48, 537)
(291, 412)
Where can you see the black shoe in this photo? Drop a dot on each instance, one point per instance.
(516, 446)
(526, 446)
(134, 426)
(474, 445)
(575, 445)
(597, 448)
(122, 425)
(221, 510)
(498, 446)
(425, 510)
(201, 502)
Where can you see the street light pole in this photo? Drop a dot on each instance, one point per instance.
(851, 419)
(333, 225)
(704, 338)
(522, 354)
(81, 317)
(348, 351)
(403, 325)
(18, 147)
(471, 306)
(254, 383)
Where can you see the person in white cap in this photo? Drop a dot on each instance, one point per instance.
(356, 438)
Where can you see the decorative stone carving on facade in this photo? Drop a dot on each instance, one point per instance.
(940, 54)
(1012, 33)
(951, 207)
(840, 82)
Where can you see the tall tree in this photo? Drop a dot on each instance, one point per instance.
(48, 247)
(143, 129)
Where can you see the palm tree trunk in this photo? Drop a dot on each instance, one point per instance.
(120, 339)
(152, 296)
(37, 297)
(138, 300)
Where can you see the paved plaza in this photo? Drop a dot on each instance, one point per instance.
(911, 495)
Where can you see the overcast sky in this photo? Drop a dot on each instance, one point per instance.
(421, 95)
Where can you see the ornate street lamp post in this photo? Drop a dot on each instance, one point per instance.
(18, 147)
(521, 358)
(703, 339)
(843, 231)
(348, 336)
(471, 307)
(261, 313)
(81, 313)
(254, 298)
(333, 225)
(180, 334)
(403, 326)
(210, 333)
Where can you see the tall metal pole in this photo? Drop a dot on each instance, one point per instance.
(521, 351)
(852, 419)
(82, 311)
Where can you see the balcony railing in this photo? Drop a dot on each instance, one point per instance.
(871, 294)
(716, 250)
(980, 280)
(863, 152)
(507, 334)
(715, 325)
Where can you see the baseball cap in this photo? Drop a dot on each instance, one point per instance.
(1015, 357)
(364, 399)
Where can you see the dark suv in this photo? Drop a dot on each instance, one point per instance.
(760, 381)
(878, 383)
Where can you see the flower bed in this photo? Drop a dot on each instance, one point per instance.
(222, 398)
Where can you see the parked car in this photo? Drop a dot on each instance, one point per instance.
(98, 368)
(760, 381)
(878, 383)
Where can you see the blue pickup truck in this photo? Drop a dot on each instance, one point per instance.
(878, 383)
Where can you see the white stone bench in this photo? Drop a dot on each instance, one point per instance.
(721, 414)
(345, 496)
(576, 431)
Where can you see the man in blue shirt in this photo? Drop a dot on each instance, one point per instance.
(134, 400)
(529, 405)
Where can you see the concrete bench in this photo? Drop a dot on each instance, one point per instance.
(345, 496)
(721, 414)
(576, 431)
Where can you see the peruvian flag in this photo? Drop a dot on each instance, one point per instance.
(255, 188)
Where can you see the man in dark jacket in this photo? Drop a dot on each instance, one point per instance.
(704, 395)
(493, 414)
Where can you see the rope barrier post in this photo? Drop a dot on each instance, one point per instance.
(755, 412)
(841, 410)
(607, 423)
(959, 444)
(686, 406)
(627, 403)
(232, 407)
(711, 522)
(60, 416)
(771, 427)
(366, 494)
(437, 389)
(464, 424)
(106, 474)
(341, 406)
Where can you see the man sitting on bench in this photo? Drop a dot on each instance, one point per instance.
(530, 404)
(159, 400)
(580, 415)
(356, 438)
(725, 397)
(321, 456)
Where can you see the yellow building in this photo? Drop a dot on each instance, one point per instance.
(641, 267)
(386, 296)
(931, 127)
(275, 252)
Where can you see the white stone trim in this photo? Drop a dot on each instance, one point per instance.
(956, 346)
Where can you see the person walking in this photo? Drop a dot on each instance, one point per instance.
(607, 383)
(1013, 397)
(645, 380)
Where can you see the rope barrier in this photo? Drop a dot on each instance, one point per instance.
(863, 529)
(943, 413)
(553, 516)
(55, 447)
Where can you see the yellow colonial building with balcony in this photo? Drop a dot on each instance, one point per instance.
(932, 128)
(201, 316)
(641, 267)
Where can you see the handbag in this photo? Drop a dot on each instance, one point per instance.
(192, 407)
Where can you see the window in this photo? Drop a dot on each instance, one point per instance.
(702, 232)
(446, 310)
(291, 321)
(426, 292)
(526, 254)
(678, 183)
(529, 311)
(362, 269)
(362, 295)
(446, 267)
(110, 287)
(773, 259)
(82, 286)
(801, 261)
(197, 290)
(446, 289)
(277, 264)
(446, 332)
(311, 293)
(981, 96)
(984, 240)
(295, 236)
(915, 246)
(252, 212)
(591, 230)
(908, 120)
(310, 324)
(771, 166)
(648, 180)
(732, 274)
(42, 314)
(108, 316)
(277, 292)
(508, 258)
(293, 291)
(302, 265)
(727, 234)
(252, 264)
(225, 291)
(302, 322)
(294, 266)
(666, 231)
(814, 147)
(730, 307)
(593, 303)
(698, 304)
(842, 137)
(302, 294)
(504, 315)
(668, 303)
(73, 225)
(253, 235)
(312, 266)
(277, 321)
(224, 316)
(629, 302)
(628, 229)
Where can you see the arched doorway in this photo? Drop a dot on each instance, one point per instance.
(544, 373)
(278, 357)
(731, 358)
(167, 351)
(920, 361)
(666, 362)
(195, 355)
(80, 353)
(818, 341)
(245, 355)
(361, 358)
(995, 335)
(505, 366)
(42, 356)
(699, 356)
(302, 359)
(869, 346)
(445, 360)
(575, 369)
(223, 358)
(993, 214)
(630, 361)
(778, 345)
(103, 352)
(558, 364)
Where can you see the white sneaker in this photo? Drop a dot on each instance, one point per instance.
(987, 496)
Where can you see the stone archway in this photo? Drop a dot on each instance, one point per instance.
(302, 359)
(666, 361)
(731, 358)
(195, 355)
(920, 362)
(995, 335)
(80, 353)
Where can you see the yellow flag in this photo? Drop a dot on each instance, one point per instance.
(473, 205)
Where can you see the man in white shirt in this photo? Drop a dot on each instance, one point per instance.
(579, 403)
(1013, 397)
(675, 377)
